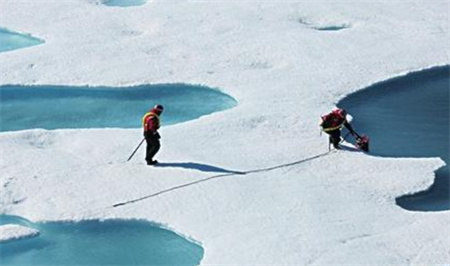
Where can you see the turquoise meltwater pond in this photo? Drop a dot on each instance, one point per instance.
(53, 107)
(109, 242)
(10, 40)
(125, 3)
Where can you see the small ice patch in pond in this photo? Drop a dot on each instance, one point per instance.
(10, 40)
(125, 3)
(52, 107)
(14, 232)
(409, 117)
(94, 242)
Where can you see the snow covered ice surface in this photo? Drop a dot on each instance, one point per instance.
(338, 208)
(11, 232)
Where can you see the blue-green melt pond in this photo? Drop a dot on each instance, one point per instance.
(125, 3)
(109, 242)
(10, 40)
(53, 107)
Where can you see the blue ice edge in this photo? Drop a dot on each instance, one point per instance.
(11, 40)
(408, 116)
(56, 107)
(100, 242)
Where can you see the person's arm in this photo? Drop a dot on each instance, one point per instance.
(349, 127)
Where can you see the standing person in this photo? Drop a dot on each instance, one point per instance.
(332, 124)
(151, 124)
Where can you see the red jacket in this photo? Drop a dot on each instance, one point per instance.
(335, 121)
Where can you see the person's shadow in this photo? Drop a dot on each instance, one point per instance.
(198, 166)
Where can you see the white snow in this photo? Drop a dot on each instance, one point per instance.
(334, 209)
(9, 232)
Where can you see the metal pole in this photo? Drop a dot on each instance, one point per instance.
(137, 148)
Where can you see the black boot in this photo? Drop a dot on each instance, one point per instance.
(152, 162)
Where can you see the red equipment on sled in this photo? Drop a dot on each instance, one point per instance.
(362, 142)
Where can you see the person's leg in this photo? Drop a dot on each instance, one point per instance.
(335, 138)
(154, 148)
(148, 158)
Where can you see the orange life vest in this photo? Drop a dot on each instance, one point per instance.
(150, 122)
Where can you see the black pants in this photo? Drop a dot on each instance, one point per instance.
(153, 146)
(335, 137)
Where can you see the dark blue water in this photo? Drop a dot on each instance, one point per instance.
(52, 107)
(409, 117)
(110, 242)
(12, 40)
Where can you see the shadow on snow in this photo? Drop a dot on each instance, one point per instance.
(198, 166)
